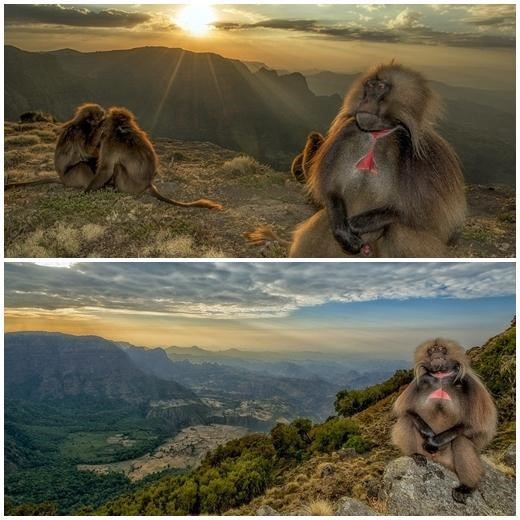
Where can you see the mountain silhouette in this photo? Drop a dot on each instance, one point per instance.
(174, 93)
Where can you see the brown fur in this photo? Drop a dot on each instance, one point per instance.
(128, 159)
(420, 180)
(302, 162)
(471, 406)
(76, 151)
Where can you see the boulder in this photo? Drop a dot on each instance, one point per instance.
(347, 506)
(509, 456)
(266, 510)
(347, 453)
(410, 489)
(326, 470)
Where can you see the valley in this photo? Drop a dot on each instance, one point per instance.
(182, 452)
(114, 416)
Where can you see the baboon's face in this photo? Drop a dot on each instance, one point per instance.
(391, 97)
(439, 363)
(93, 115)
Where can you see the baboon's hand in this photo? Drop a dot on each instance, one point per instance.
(348, 240)
(430, 448)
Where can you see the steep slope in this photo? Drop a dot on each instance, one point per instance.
(359, 476)
(298, 465)
(189, 96)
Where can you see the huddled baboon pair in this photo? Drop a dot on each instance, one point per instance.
(98, 147)
(385, 182)
(445, 414)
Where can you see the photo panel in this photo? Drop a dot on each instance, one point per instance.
(268, 388)
(302, 131)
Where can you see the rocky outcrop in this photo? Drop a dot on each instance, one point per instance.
(347, 506)
(266, 510)
(410, 489)
(509, 456)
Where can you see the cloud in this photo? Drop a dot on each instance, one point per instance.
(405, 27)
(244, 290)
(406, 19)
(69, 15)
(502, 17)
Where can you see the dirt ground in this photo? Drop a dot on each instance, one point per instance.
(53, 221)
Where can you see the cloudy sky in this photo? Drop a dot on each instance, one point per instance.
(370, 308)
(460, 44)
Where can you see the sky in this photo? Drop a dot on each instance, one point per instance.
(372, 309)
(468, 45)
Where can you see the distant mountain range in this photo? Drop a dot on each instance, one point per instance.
(174, 93)
(479, 123)
(176, 382)
(243, 106)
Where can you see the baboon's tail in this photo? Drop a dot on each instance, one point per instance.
(16, 184)
(201, 203)
(263, 235)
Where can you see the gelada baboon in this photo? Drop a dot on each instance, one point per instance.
(445, 414)
(128, 159)
(389, 184)
(76, 151)
(302, 162)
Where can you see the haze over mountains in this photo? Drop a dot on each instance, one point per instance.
(237, 389)
(262, 112)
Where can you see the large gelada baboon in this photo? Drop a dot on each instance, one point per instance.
(76, 151)
(445, 414)
(127, 158)
(389, 184)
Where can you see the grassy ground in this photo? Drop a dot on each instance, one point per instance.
(53, 221)
(94, 446)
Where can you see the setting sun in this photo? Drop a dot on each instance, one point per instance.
(196, 19)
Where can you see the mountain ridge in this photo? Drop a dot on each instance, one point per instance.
(190, 96)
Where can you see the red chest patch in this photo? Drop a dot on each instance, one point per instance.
(367, 163)
(440, 394)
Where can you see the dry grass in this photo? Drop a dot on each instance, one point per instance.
(252, 194)
(46, 136)
(42, 148)
(22, 140)
(319, 508)
(243, 166)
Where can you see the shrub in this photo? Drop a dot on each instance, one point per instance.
(349, 402)
(359, 444)
(332, 434)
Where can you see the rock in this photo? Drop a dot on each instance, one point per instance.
(347, 506)
(326, 470)
(409, 489)
(509, 456)
(347, 453)
(266, 510)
